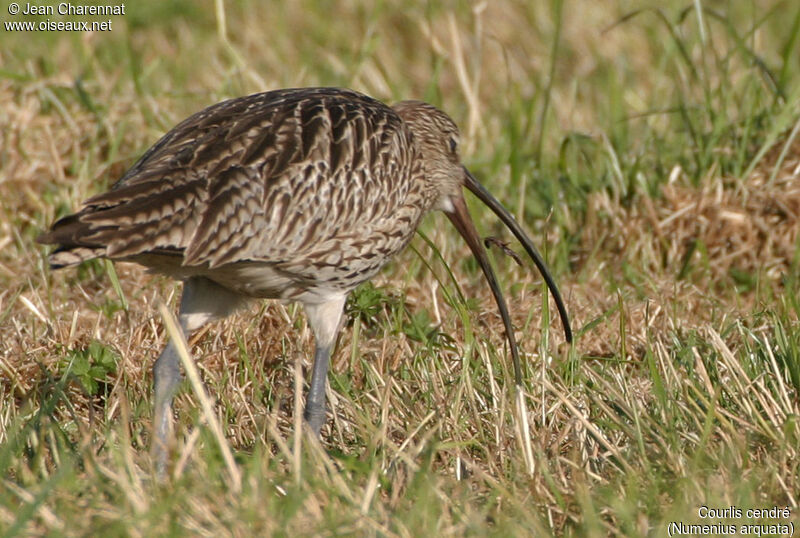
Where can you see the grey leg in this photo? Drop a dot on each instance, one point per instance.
(202, 301)
(315, 403)
(166, 378)
(324, 319)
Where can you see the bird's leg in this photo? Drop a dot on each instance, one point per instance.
(202, 301)
(324, 319)
(166, 378)
(315, 402)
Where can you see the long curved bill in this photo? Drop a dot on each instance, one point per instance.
(463, 222)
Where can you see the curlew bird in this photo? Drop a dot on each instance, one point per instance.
(299, 195)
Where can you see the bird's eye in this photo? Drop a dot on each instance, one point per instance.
(453, 145)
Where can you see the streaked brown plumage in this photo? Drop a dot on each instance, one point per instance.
(297, 194)
(313, 184)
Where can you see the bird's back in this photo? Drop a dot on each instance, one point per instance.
(311, 187)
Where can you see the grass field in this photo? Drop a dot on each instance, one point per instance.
(651, 151)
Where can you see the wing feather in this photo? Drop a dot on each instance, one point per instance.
(278, 177)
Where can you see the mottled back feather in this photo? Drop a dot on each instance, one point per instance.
(320, 184)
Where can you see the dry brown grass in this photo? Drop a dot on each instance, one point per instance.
(744, 224)
(745, 227)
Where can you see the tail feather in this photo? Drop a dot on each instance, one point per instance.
(67, 234)
(74, 255)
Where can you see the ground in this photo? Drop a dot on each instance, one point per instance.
(651, 153)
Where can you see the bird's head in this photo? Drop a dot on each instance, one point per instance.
(437, 138)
